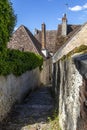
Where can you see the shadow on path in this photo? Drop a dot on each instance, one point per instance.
(36, 108)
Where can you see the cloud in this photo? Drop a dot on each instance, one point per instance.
(85, 6)
(75, 8)
(59, 19)
(78, 7)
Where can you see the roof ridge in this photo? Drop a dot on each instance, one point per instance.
(27, 33)
(79, 29)
(26, 29)
(17, 29)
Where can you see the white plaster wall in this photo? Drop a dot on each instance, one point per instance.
(13, 89)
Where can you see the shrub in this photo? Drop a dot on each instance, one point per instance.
(7, 22)
(17, 62)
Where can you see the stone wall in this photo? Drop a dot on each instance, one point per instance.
(14, 89)
(70, 88)
(79, 38)
(46, 72)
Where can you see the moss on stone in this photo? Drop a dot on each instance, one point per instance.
(81, 49)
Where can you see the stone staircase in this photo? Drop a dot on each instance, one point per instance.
(32, 113)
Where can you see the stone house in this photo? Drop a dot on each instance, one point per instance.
(56, 38)
(43, 42)
(77, 39)
(70, 80)
(23, 40)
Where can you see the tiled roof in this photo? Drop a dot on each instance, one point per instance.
(23, 39)
(60, 40)
(34, 41)
(50, 39)
(54, 40)
(72, 29)
(77, 39)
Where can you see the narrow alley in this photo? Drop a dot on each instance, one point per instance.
(32, 113)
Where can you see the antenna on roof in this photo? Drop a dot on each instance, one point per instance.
(66, 7)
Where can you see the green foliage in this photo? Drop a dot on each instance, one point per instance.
(13, 61)
(7, 22)
(17, 62)
(54, 123)
(80, 49)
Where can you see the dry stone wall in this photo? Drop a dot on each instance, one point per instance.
(14, 89)
(70, 88)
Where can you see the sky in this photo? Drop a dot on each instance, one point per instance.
(32, 13)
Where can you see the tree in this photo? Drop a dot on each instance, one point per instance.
(7, 22)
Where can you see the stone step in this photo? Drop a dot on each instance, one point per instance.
(36, 108)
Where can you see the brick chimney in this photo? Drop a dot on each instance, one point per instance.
(64, 26)
(44, 50)
(43, 36)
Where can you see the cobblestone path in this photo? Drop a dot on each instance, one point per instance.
(33, 113)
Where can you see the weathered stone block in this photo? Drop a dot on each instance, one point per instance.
(14, 89)
(70, 87)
